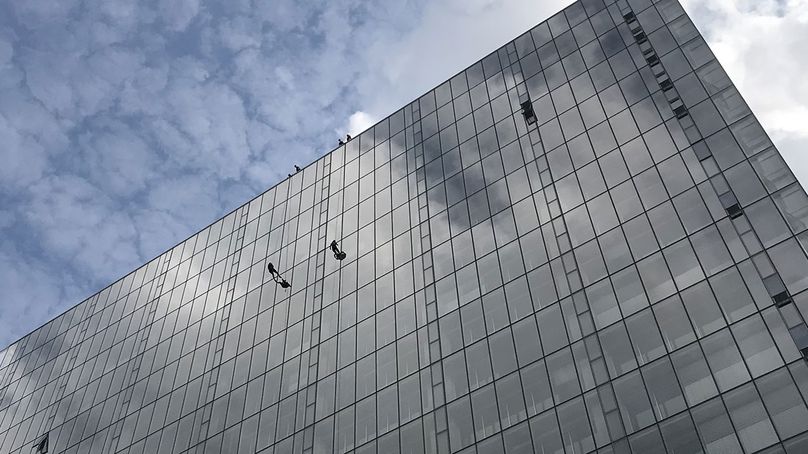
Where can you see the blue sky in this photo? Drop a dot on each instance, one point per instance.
(128, 125)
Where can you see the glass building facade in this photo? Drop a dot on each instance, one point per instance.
(584, 242)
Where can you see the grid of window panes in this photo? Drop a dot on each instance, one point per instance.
(573, 285)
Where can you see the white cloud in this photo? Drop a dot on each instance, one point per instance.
(33, 304)
(23, 159)
(448, 37)
(178, 14)
(359, 121)
(761, 45)
(6, 51)
(79, 224)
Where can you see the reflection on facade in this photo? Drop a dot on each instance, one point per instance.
(625, 272)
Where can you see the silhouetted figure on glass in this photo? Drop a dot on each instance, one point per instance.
(339, 255)
(349, 137)
(276, 276)
(297, 169)
(341, 143)
(41, 446)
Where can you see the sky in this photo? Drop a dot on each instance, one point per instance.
(128, 125)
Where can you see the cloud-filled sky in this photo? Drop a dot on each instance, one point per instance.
(128, 125)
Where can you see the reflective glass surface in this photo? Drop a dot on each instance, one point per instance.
(572, 284)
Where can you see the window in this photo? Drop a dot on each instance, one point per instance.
(673, 323)
(683, 264)
(536, 388)
(783, 402)
(767, 222)
(461, 430)
(503, 356)
(575, 429)
(617, 350)
(703, 309)
(656, 277)
(366, 420)
(744, 183)
(484, 412)
(602, 212)
(710, 249)
(640, 237)
(663, 388)
(666, 224)
(455, 376)
(546, 435)
(645, 337)
(629, 290)
(387, 409)
(633, 401)
(772, 170)
(472, 322)
(724, 360)
(694, 375)
(649, 185)
(793, 204)
(692, 211)
(526, 337)
(715, 428)
(563, 378)
(409, 398)
(680, 435)
(551, 329)
(749, 417)
(757, 346)
(791, 263)
(636, 155)
(510, 400)
(707, 118)
(479, 365)
(732, 295)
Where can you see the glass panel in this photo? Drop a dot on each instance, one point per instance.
(703, 309)
(455, 376)
(510, 400)
(461, 430)
(648, 440)
(680, 435)
(484, 412)
(751, 422)
(634, 404)
(551, 328)
(562, 375)
(732, 295)
(793, 204)
(629, 289)
(757, 346)
(546, 435)
(683, 264)
(715, 428)
(537, 388)
(663, 389)
(673, 323)
(656, 277)
(783, 402)
(617, 350)
(725, 360)
(645, 336)
(694, 375)
(791, 263)
(712, 252)
(575, 429)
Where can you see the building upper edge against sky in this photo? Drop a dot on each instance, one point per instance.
(6, 348)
